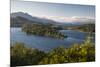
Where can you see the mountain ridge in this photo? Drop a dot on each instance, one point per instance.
(20, 18)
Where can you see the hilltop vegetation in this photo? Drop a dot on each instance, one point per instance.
(21, 55)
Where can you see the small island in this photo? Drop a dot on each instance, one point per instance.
(43, 30)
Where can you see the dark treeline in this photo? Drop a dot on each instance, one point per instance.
(43, 30)
(21, 55)
(84, 27)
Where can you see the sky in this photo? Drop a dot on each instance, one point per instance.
(58, 12)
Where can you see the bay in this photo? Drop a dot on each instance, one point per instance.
(47, 43)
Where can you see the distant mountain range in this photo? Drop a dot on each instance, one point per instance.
(20, 18)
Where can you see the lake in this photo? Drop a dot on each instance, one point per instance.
(47, 43)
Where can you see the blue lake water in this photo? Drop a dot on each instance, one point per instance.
(47, 43)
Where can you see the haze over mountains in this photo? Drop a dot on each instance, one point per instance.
(20, 18)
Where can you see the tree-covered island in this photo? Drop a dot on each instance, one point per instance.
(43, 30)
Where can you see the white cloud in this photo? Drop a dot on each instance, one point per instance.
(73, 19)
(69, 19)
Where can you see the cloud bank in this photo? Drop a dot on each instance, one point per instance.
(71, 19)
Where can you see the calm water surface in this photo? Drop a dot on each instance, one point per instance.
(47, 43)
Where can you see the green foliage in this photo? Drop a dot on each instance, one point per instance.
(21, 55)
(42, 30)
(77, 53)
